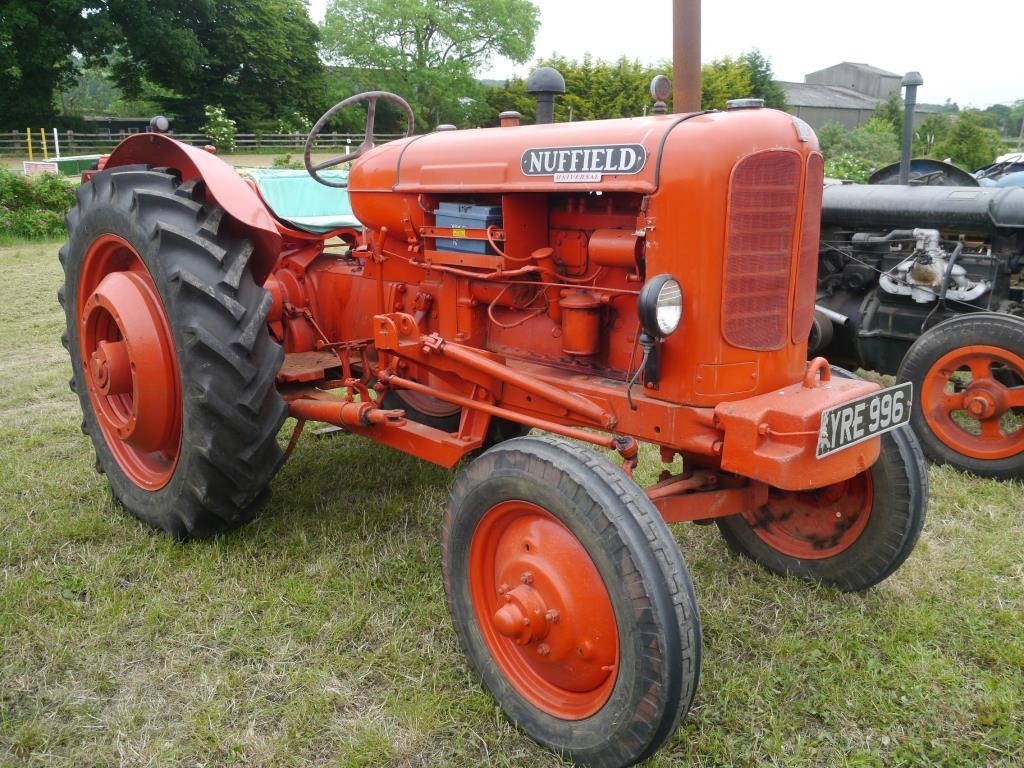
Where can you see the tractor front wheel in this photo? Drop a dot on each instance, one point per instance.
(571, 599)
(852, 534)
(170, 355)
(968, 376)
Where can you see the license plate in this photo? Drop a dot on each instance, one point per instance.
(853, 422)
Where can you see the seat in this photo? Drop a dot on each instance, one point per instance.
(300, 201)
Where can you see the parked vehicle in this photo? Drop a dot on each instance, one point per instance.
(611, 282)
(924, 281)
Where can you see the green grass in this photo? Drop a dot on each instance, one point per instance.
(319, 636)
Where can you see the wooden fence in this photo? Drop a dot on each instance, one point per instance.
(77, 143)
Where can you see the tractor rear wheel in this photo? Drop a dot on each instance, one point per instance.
(968, 376)
(852, 534)
(170, 356)
(571, 599)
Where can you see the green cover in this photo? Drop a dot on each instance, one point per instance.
(298, 199)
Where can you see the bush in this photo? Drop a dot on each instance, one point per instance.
(285, 161)
(220, 128)
(848, 167)
(34, 207)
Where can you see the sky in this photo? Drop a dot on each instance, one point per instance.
(962, 49)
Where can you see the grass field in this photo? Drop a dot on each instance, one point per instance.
(319, 636)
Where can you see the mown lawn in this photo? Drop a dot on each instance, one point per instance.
(319, 636)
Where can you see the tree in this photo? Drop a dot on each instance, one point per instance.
(255, 58)
(890, 112)
(931, 132)
(37, 38)
(724, 79)
(427, 51)
(969, 144)
(748, 76)
(763, 84)
(594, 90)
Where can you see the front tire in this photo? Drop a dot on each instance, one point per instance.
(170, 356)
(571, 599)
(852, 534)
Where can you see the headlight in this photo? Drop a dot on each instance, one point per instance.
(661, 306)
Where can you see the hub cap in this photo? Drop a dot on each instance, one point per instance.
(814, 525)
(543, 610)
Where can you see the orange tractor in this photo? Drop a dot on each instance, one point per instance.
(607, 283)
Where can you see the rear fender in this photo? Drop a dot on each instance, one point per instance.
(223, 185)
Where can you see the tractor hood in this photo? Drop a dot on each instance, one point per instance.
(623, 155)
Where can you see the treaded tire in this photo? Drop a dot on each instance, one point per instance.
(981, 340)
(227, 410)
(639, 570)
(898, 486)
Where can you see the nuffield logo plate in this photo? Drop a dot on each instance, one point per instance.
(589, 163)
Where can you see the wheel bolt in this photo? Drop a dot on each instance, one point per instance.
(543, 649)
(552, 616)
(526, 578)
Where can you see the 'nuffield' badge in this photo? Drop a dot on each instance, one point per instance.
(584, 164)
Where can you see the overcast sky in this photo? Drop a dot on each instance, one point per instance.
(966, 50)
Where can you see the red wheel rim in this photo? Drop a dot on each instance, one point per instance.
(128, 361)
(973, 401)
(814, 525)
(543, 610)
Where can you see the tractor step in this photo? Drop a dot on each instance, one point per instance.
(307, 366)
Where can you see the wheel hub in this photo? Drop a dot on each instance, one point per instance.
(111, 368)
(983, 401)
(522, 617)
(543, 610)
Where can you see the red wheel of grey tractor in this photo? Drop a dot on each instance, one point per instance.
(851, 535)
(968, 373)
(571, 600)
(170, 356)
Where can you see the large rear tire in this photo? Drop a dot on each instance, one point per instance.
(571, 599)
(170, 355)
(852, 534)
(968, 376)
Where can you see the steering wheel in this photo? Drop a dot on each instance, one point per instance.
(371, 97)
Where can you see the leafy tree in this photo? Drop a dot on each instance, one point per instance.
(969, 144)
(596, 89)
(724, 79)
(763, 84)
(427, 50)
(37, 38)
(255, 58)
(891, 112)
(931, 131)
(1016, 120)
